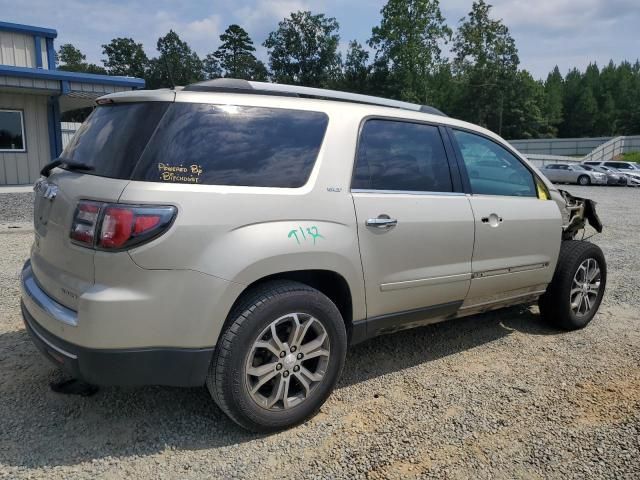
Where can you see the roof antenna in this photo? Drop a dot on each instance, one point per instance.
(169, 74)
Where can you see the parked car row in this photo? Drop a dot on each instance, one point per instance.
(594, 173)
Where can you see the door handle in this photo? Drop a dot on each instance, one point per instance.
(383, 221)
(492, 220)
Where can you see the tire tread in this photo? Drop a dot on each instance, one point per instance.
(248, 304)
(553, 306)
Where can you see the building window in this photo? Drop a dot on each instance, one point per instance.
(11, 131)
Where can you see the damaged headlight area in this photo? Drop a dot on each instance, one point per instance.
(580, 212)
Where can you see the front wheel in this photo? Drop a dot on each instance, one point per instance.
(576, 290)
(279, 358)
(584, 180)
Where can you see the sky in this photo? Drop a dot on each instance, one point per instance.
(567, 33)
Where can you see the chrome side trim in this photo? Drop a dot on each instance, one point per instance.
(407, 192)
(52, 308)
(504, 271)
(52, 346)
(386, 287)
(504, 300)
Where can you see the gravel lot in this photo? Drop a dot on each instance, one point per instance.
(495, 396)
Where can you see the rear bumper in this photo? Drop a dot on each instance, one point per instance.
(152, 366)
(184, 367)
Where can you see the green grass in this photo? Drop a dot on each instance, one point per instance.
(631, 157)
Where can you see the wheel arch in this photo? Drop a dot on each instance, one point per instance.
(329, 282)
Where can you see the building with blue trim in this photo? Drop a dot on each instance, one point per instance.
(33, 94)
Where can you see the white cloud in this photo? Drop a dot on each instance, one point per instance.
(547, 32)
(264, 15)
(564, 15)
(207, 28)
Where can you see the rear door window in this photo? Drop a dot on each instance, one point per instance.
(619, 165)
(112, 139)
(401, 156)
(233, 145)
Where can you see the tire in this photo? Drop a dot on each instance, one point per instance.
(557, 305)
(584, 180)
(238, 352)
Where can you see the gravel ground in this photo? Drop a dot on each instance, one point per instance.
(16, 208)
(494, 396)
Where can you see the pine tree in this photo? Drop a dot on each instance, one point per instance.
(486, 62)
(235, 55)
(304, 50)
(407, 44)
(553, 92)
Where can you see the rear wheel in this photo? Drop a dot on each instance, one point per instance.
(584, 180)
(279, 357)
(575, 293)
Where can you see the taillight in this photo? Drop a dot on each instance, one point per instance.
(107, 226)
(85, 220)
(117, 227)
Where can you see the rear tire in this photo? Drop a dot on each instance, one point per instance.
(576, 290)
(279, 356)
(584, 180)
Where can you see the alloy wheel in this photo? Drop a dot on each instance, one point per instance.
(287, 361)
(585, 287)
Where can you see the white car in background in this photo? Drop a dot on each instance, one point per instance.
(565, 173)
(630, 170)
(614, 177)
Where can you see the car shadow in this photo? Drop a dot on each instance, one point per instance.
(41, 428)
(408, 348)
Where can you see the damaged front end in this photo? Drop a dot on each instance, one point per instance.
(577, 212)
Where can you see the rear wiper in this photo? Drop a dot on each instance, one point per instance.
(76, 165)
(46, 170)
(68, 164)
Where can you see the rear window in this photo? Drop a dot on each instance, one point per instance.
(112, 139)
(233, 145)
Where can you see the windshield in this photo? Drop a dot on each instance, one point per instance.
(112, 139)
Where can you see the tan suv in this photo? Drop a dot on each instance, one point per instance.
(241, 235)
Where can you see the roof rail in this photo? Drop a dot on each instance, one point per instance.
(233, 85)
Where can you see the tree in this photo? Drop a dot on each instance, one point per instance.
(356, 69)
(176, 65)
(211, 66)
(627, 98)
(125, 57)
(523, 117)
(585, 113)
(235, 55)
(486, 61)
(572, 88)
(304, 50)
(71, 59)
(553, 93)
(407, 42)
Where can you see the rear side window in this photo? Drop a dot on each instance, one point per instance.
(233, 145)
(619, 165)
(401, 156)
(492, 169)
(112, 139)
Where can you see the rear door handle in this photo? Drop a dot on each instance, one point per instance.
(383, 221)
(493, 220)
